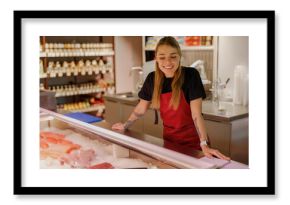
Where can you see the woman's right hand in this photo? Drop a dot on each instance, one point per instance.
(118, 126)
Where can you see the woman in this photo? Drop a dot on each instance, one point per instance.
(177, 92)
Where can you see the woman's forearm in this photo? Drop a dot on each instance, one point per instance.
(196, 108)
(200, 127)
(137, 113)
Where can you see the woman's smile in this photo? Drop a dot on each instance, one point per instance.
(167, 67)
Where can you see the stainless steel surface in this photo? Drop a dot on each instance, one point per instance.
(229, 111)
(126, 95)
(128, 98)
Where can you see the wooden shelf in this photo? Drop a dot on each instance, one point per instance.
(64, 74)
(189, 48)
(192, 48)
(90, 109)
(59, 55)
(101, 90)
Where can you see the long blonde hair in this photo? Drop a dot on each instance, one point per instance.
(159, 77)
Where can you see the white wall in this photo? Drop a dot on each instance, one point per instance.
(232, 51)
(128, 54)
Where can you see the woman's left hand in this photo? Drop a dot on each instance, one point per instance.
(210, 153)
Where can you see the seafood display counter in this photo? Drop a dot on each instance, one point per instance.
(69, 143)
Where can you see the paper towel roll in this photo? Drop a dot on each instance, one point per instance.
(237, 84)
(246, 90)
(240, 92)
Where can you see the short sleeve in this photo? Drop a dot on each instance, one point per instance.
(146, 91)
(196, 89)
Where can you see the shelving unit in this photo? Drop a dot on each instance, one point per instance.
(79, 69)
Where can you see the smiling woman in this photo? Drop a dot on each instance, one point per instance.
(177, 92)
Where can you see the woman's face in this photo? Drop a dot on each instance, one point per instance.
(167, 59)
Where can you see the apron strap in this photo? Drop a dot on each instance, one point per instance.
(156, 117)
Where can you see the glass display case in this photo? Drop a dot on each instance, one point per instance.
(69, 143)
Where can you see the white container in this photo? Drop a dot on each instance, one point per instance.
(246, 90)
(240, 89)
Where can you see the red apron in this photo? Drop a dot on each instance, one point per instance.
(178, 126)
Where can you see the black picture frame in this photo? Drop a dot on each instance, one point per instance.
(269, 16)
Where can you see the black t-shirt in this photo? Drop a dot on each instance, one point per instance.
(192, 86)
